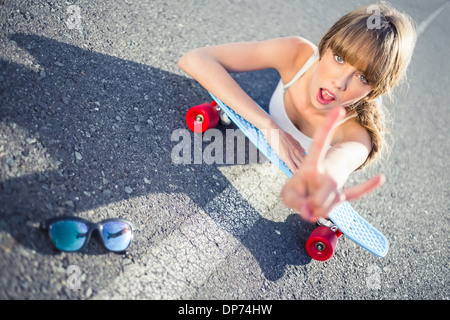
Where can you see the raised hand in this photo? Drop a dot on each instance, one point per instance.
(312, 191)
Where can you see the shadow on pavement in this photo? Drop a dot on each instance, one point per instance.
(90, 130)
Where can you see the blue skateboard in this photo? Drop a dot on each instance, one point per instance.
(343, 219)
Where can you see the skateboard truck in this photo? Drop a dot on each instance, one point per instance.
(223, 117)
(328, 223)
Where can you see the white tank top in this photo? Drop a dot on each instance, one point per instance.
(278, 112)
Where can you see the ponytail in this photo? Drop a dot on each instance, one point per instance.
(372, 116)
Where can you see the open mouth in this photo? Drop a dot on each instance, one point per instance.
(325, 97)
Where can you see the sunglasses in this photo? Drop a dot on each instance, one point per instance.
(73, 233)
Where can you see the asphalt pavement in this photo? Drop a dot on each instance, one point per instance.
(92, 105)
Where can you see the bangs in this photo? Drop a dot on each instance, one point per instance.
(371, 51)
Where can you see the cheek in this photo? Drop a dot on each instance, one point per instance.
(321, 75)
(356, 89)
(360, 91)
(324, 69)
(355, 93)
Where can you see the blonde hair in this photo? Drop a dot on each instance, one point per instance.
(380, 45)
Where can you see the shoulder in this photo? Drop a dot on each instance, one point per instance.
(352, 131)
(299, 45)
(294, 48)
(352, 141)
(299, 51)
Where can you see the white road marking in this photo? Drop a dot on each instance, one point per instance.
(424, 24)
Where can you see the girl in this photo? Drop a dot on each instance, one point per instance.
(328, 92)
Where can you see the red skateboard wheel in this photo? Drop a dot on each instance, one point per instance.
(321, 243)
(202, 117)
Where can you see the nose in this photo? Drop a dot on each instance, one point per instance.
(341, 81)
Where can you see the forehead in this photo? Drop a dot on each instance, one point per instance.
(359, 63)
(364, 53)
(359, 55)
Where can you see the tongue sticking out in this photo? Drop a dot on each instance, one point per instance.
(326, 95)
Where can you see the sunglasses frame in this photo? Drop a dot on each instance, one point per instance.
(46, 225)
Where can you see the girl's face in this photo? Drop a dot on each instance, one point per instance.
(336, 82)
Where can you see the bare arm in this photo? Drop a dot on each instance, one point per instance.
(348, 153)
(211, 67)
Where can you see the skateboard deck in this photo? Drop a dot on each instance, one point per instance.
(349, 222)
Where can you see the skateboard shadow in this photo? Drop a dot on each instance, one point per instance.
(92, 131)
(276, 245)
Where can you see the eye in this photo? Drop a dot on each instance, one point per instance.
(338, 59)
(363, 79)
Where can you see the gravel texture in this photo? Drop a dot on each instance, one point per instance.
(88, 107)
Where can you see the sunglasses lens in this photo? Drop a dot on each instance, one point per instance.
(69, 235)
(117, 235)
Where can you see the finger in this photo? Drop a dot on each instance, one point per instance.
(292, 199)
(323, 202)
(293, 193)
(323, 135)
(361, 190)
(297, 157)
(338, 199)
(325, 195)
(307, 212)
(292, 165)
(296, 145)
(299, 148)
(296, 150)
